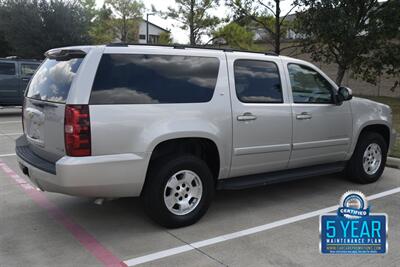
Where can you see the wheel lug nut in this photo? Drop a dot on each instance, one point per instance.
(183, 185)
(177, 188)
(180, 198)
(186, 195)
(187, 189)
(176, 194)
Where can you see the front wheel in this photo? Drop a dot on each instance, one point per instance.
(178, 191)
(369, 159)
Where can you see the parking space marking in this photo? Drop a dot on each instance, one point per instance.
(5, 122)
(242, 233)
(10, 133)
(7, 155)
(88, 241)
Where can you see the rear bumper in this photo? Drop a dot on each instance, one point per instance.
(119, 175)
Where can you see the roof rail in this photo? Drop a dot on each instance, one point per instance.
(16, 58)
(179, 46)
(13, 57)
(117, 44)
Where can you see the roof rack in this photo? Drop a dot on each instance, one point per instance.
(16, 58)
(13, 57)
(179, 46)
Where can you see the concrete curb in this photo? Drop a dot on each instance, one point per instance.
(393, 162)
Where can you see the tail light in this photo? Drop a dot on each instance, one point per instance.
(77, 131)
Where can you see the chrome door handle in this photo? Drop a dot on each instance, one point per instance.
(303, 116)
(247, 116)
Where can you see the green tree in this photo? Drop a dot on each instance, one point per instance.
(128, 14)
(64, 23)
(235, 36)
(102, 27)
(165, 38)
(193, 15)
(32, 27)
(348, 32)
(5, 49)
(21, 27)
(385, 58)
(265, 14)
(89, 6)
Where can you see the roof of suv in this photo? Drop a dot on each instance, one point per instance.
(225, 49)
(62, 51)
(87, 48)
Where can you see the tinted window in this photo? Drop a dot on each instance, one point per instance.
(257, 82)
(53, 80)
(28, 69)
(7, 68)
(148, 79)
(308, 86)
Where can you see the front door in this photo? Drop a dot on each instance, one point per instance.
(322, 130)
(262, 123)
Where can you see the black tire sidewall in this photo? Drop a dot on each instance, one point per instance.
(357, 169)
(158, 177)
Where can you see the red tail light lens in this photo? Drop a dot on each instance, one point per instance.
(77, 131)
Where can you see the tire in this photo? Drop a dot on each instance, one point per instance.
(371, 172)
(161, 188)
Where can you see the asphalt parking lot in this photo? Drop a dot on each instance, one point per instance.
(277, 225)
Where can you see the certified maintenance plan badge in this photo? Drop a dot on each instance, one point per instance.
(353, 230)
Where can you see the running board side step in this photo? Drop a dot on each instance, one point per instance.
(255, 180)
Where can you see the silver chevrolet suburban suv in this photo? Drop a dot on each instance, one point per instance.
(173, 124)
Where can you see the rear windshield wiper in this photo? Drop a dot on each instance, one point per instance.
(43, 104)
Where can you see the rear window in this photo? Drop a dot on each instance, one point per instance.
(257, 82)
(53, 80)
(152, 79)
(7, 68)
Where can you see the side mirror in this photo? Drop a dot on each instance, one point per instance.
(344, 94)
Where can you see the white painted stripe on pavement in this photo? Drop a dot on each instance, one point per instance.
(246, 232)
(5, 122)
(6, 134)
(6, 155)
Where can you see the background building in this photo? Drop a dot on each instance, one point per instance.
(154, 32)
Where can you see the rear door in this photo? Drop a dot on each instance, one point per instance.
(262, 120)
(45, 105)
(9, 83)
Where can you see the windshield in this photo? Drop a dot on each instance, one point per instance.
(53, 80)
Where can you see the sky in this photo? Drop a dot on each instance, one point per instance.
(178, 34)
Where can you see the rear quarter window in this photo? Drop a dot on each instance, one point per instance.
(53, 80)
(28, 69)
(154, 79)
(7, 68)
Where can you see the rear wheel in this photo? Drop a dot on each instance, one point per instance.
(178, 191)
(369, 159)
